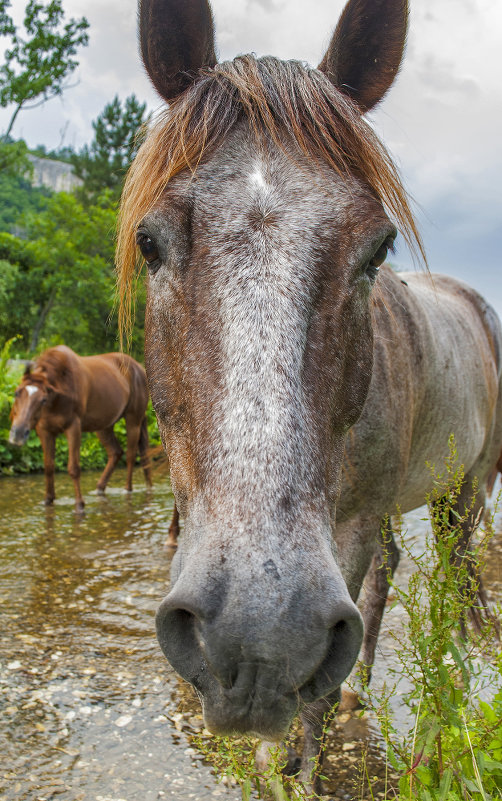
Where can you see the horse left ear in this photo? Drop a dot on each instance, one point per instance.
(177, 39)
(365, 52)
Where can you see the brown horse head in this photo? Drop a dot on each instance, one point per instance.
(30, 398)
(260, 205)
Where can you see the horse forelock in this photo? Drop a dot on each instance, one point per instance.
(283, 100)
(52, 368)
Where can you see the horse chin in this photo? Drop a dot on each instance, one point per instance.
(267, 721)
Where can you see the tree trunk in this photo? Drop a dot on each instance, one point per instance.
(44, 313)
(12, 121)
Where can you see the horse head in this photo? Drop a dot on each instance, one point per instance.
(30, 398)
(259, 205)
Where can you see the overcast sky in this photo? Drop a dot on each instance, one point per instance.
(442, 120)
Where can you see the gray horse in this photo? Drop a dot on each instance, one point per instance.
(299, 384)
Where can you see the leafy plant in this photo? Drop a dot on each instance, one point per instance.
(104, 163)
(454, 752)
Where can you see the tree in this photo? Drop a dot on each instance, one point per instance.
(13, 158)
(18, 198)
(36, 67)
(104, 163)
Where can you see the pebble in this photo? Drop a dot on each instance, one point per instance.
(123, 720)
(349, 746)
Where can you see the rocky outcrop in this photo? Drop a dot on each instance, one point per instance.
(55, 175)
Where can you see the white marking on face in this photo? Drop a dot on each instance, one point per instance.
(262, 442)
(257, 180)
(30, 389)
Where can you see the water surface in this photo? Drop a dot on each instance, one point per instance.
(90, 710)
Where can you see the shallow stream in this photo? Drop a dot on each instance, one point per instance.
(90, 710)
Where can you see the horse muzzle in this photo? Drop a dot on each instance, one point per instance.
(256, 650)
(18, 435)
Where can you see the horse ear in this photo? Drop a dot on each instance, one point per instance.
(177, 39)
(27, 368)
(365, 52)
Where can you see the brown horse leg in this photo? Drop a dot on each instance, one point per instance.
(112, 447)
(49, 449)
(144, 452)
(133, 437)
(174, 529)
(376, 588)
(73, 435)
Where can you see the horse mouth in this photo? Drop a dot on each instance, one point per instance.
(269, 721)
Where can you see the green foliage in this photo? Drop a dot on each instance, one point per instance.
(13, 160)
(18, 197)
(73, 251)
(104, 163)
(235, 759)
(455, 749)
(58, 282)
(38, 62)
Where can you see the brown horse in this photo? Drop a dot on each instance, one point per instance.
(300, 386)
(65, 393)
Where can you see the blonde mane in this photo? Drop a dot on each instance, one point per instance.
(277, 97)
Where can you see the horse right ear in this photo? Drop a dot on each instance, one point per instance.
(27, 368)
(176, 39)
(365, 53)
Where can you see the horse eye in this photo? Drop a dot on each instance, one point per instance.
(148, 248)
(379, 256)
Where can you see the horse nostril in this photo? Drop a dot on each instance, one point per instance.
(177, 636)
(344, 643)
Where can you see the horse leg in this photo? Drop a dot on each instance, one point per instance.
(313, 717)
(357, 541)
(144, 455)
(112, 447)
(133, 437)
(48, 442)
(174, 529)
(73, 435)
(473, 586)
(376, 588)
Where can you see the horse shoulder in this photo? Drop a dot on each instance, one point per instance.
(434, 374)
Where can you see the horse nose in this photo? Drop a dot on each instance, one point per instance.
(18, 435)
(306, 651)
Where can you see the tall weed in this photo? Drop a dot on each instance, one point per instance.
(454, 750)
